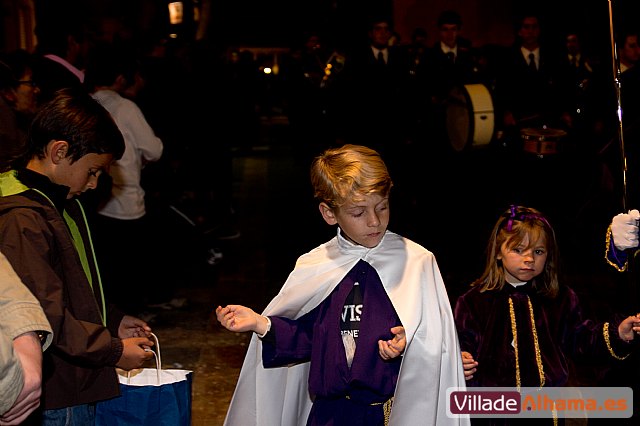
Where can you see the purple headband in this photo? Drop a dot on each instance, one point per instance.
(522, 216)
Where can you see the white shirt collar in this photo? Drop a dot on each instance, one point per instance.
(446, 49)
(385, 53)
(526, 52)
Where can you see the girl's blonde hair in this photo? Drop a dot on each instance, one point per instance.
(512, 228)
(349, 173)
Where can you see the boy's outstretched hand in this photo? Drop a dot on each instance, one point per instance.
(390, 349)
(241, 318)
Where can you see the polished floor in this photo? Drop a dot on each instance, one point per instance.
(250, 272)
(278, 221)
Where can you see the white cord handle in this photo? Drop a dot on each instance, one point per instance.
(156, 355)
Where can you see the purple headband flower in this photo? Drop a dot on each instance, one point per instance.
(522, 216)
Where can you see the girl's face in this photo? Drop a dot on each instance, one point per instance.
(525, 261)
(363, 222)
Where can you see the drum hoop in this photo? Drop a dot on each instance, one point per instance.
(477, 108)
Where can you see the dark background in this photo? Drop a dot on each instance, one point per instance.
(284, 22)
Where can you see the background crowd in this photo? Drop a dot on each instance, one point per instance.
(204, 103)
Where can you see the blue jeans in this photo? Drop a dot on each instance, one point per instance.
(78, 415)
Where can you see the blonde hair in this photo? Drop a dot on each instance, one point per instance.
(347, 174)
(512, 228)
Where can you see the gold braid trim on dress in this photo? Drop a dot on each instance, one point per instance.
(536, 345)
(386, 408)
(606, 253)
(605, 333)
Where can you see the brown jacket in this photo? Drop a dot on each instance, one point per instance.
(79, 366)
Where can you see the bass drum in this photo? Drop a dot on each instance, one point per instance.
(469, 117)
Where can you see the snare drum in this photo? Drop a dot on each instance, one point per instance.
(543, 141)
(469, 117)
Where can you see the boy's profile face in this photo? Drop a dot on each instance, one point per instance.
(82, 174)
(362, 222)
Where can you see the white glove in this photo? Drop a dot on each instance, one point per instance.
(624, 230)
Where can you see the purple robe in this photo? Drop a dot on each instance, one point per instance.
(430, 365)
(316, 337)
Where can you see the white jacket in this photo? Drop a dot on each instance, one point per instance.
(141, 146)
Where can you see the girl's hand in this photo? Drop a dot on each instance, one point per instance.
(629, 327)
(393, 348)
(469, 365)
(241, 318)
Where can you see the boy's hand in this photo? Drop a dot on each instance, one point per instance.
(241, 318)
(135, 351)
(133, 327)
(469, 365)
(389, 349)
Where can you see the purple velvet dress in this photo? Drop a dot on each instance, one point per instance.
(485, 330)
(341, 395)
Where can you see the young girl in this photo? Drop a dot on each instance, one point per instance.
(517, 325)
(362, 324)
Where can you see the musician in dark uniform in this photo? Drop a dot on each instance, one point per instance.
(449, 64)
(375, 87)
(531, 103)
(528, 88)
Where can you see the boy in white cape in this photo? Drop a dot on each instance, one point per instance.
(362, 331)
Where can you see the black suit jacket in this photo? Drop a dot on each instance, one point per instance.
(376, 100)
(443, 75)
(534, 98)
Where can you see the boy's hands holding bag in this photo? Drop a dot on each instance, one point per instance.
(133, 327)
(135, 352)
(149, 396)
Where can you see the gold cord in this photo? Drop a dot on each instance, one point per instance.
(606, 253)
(605, 333)
(536, 345)
(514, 331)
(386, 408)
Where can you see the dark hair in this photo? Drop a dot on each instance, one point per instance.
(622, 35)
(106, 62)
(72, 115)
(419, 32)
(53, 34)
(529, 13)
(375, 19)
(450, 17)
(13, 65)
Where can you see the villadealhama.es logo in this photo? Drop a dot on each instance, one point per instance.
(532, 402)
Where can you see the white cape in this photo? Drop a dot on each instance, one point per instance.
(431, 363)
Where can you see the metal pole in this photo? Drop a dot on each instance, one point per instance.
(616, 79)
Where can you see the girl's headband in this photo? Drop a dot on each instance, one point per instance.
(522, 216)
